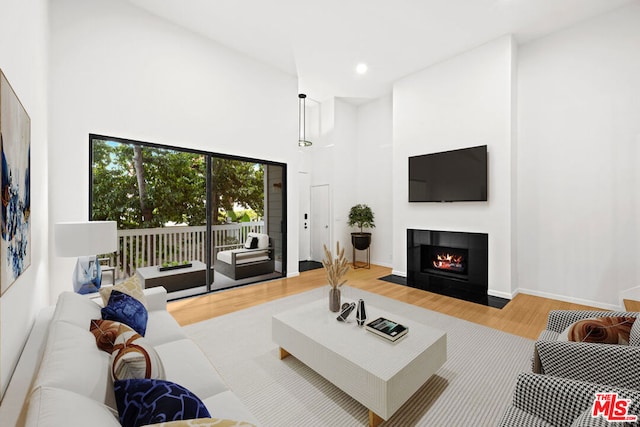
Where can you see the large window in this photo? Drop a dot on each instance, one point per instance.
(176, 207)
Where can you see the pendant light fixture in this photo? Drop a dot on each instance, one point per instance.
(302, 140)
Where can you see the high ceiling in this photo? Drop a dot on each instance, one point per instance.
(321, 42)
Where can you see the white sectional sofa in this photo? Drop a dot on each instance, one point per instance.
(73, 385)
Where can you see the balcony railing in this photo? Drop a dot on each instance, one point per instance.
(154, 246)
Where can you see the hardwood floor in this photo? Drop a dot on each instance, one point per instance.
(631, 305)
(525, 315)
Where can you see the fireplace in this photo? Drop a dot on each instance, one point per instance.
(448, 262)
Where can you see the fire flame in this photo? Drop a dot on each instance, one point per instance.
(448, 261)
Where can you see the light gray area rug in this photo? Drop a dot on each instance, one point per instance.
(472, 388)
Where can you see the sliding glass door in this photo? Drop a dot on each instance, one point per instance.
(183, 212)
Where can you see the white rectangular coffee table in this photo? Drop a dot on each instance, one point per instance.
(380, 374)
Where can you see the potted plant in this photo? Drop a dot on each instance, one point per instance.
(362, 217)
(174, 265)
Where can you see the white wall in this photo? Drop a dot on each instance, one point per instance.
(463, 102)
(374, 173)
(345, 169)
(578, 157)
(119, 71)
(23, 59)
(352, 154)
(332, 163)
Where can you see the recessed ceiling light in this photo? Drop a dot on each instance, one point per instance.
(361, 68)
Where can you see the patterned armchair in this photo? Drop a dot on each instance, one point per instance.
(612, 364)
(546, 401)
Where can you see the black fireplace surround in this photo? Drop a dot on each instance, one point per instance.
(450, 263)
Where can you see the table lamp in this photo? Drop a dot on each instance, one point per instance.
(86, 240)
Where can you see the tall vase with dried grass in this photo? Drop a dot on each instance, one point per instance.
(335, 268)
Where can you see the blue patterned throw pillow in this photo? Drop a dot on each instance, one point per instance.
(128, 310)
(145, 401)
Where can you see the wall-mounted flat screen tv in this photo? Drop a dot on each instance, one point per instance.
(449, 176)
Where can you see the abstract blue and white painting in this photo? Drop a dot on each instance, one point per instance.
(15, 169)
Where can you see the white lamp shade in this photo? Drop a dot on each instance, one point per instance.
(85, 238)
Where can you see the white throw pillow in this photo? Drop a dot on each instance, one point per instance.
(131, 286)
(263, 239)
(134, 358)
(203, 422)
(250, 242)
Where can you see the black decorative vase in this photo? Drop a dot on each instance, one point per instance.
(361, 313)
(334, 300)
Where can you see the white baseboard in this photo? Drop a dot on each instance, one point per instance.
(380, 263)
(564, 298)
(549, 295)
(632, 294)
(293, 274)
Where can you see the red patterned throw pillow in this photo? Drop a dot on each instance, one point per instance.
(605, 330)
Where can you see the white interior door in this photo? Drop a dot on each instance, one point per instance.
(304, 241)
(320, 221)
